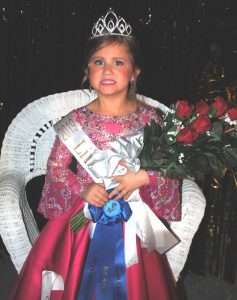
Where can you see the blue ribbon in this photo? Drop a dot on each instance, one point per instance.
(104, 275)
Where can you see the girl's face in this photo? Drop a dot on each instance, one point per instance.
(110, 70)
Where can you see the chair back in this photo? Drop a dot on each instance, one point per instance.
(25, 151)
(30, 136)
(24, 154)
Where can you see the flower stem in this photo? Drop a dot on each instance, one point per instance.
(78, 221)
(231, 129)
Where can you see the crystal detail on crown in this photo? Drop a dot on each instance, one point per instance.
(111, 25)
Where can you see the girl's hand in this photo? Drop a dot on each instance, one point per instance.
(95, 194)
(129, 183)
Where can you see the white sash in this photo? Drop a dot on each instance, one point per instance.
(102, 166)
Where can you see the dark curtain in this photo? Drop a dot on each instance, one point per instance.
(42, 45)
(41, 50)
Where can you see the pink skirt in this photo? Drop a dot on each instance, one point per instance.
(60, 250)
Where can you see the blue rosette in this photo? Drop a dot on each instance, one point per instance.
(104, 276)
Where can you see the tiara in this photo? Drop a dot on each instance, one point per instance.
(111, 25)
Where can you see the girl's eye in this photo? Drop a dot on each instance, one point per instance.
(118, 62)
(98, 62)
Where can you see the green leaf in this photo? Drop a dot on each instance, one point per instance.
(217, 131)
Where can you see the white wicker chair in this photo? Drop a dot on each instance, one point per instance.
(24, 155)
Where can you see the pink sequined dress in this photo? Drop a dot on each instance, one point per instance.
(60, 250)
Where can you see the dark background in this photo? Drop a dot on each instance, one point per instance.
(42, 45)
(184, 44)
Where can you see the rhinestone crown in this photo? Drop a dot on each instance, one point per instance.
(111, 25)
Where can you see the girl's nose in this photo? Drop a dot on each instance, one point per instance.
(108, 69)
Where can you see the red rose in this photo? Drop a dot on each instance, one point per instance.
(232, 113)
(185, 136)
(202, 108)
(201, 124)
(183, 109)
(220, 106)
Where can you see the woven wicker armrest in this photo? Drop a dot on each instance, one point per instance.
(14, 214)
(193, 207)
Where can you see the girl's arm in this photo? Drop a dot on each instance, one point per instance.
(62, 187)
(161, 194)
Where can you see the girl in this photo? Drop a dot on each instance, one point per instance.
(57, 265)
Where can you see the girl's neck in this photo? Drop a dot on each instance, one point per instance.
(113, 106)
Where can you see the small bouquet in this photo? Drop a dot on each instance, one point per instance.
(195, 140)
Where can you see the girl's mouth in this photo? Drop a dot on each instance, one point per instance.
(108, 82)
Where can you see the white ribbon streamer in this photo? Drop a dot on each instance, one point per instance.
(51, 281)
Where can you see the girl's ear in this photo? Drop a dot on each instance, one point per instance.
(136, 73)
(85, 77)
(86, 72)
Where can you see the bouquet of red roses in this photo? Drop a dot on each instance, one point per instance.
(195, 140)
